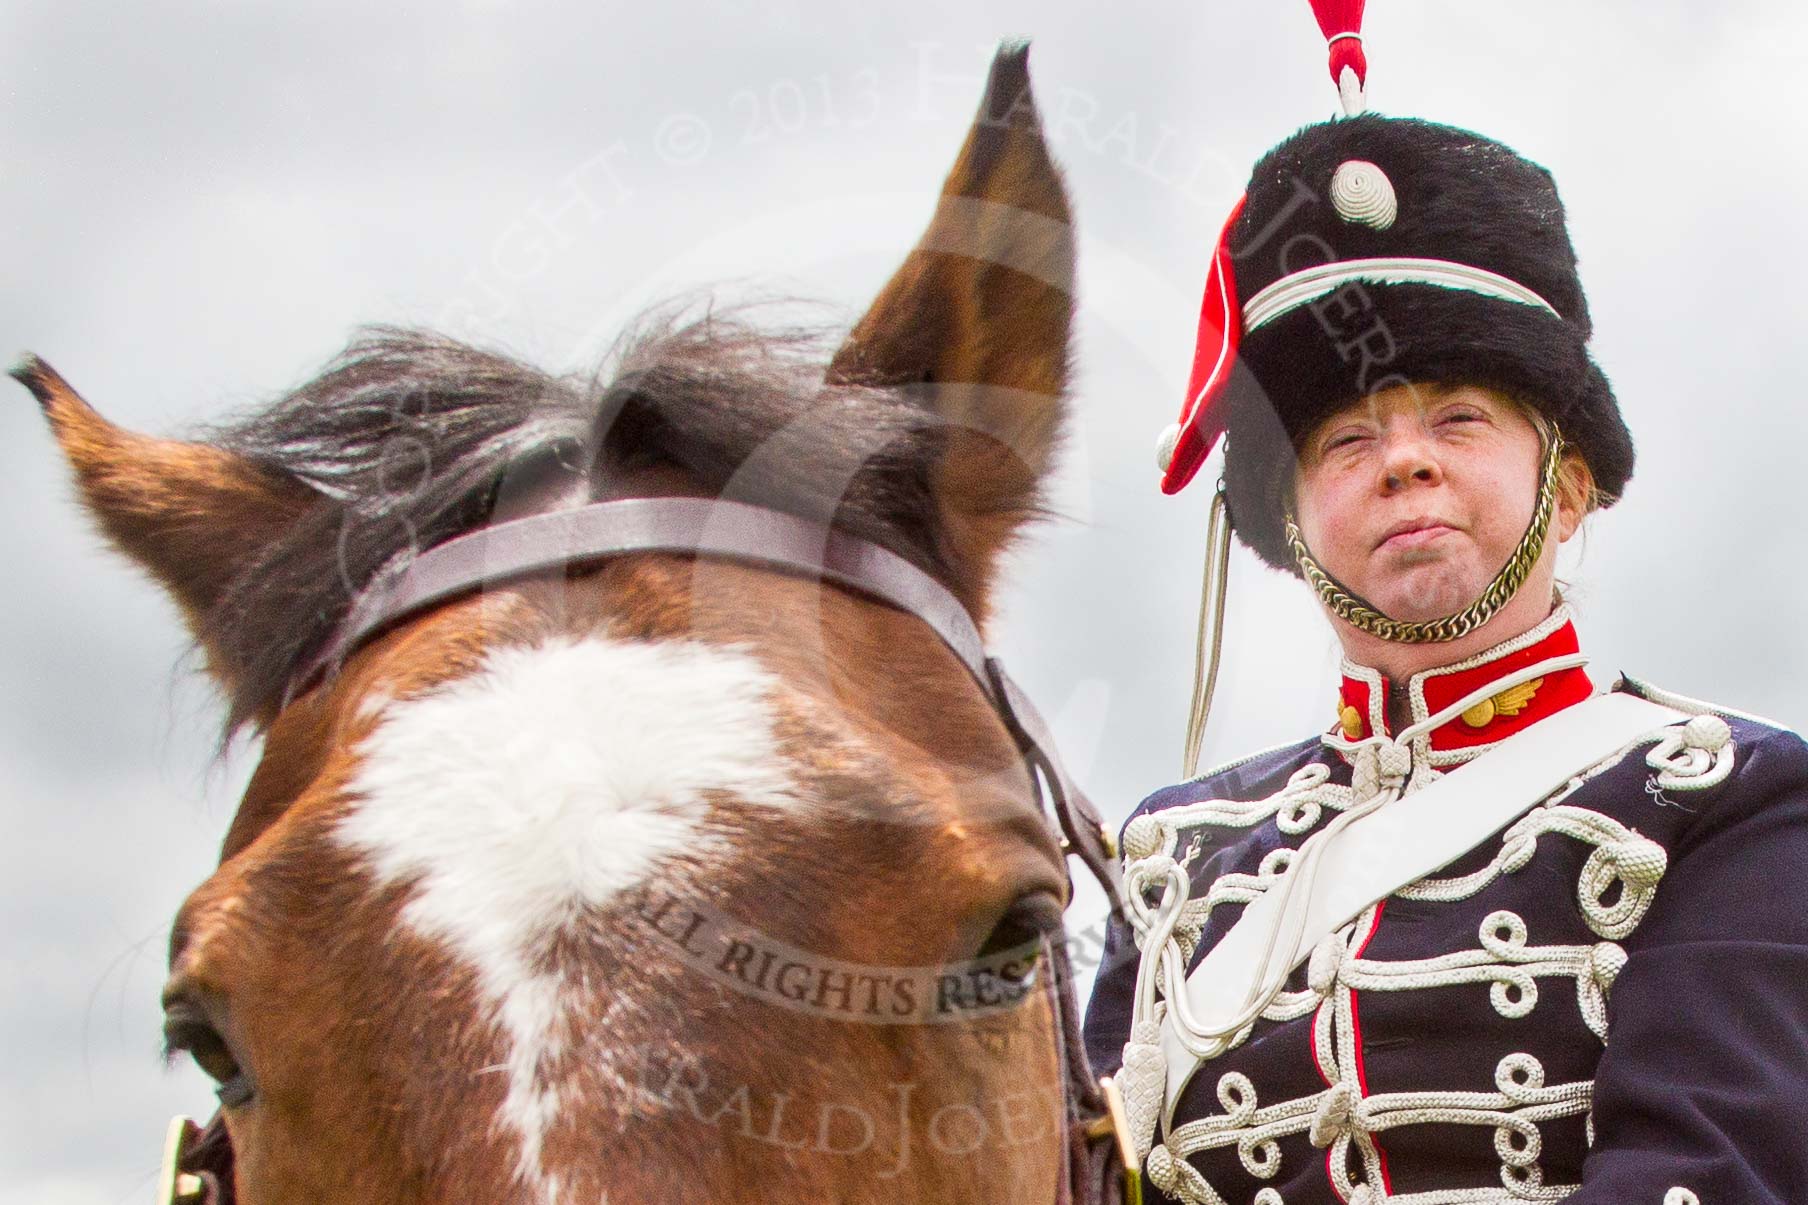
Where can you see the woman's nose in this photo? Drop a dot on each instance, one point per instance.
(1407, 456)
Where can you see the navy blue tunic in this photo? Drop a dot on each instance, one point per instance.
(1618, 1027)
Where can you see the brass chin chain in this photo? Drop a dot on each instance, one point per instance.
(1360, 613)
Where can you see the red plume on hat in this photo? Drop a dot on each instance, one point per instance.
(1186, 444)
(1201, 422)
(1341, 21)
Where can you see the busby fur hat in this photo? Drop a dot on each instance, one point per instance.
(1404, 251)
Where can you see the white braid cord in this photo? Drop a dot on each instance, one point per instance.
(1300, 288)
(1694, 757)
(1623, 868)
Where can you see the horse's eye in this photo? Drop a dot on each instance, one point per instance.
(1003, 971)
(1028, 920)
(186, 1029)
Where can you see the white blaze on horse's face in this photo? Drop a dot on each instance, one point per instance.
(555, 777)
(550, 781)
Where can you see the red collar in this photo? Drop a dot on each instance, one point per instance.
(1361, 702)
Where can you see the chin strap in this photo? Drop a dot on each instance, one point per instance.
(1363, 615)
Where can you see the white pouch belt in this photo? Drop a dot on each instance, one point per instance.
(1403, 842)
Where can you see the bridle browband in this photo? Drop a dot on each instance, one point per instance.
(1100, 1165)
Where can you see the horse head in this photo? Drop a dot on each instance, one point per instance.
(657, 875)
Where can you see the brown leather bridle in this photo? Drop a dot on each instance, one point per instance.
(1100, 1163)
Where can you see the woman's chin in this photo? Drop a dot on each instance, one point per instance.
(1426, 593)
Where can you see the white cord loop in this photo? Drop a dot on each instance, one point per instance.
(1695, 758)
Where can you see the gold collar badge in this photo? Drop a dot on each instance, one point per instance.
(1509, 702)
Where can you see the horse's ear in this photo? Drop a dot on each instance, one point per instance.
(979, 315)
(191, 514)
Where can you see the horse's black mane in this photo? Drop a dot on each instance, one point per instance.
(410, 437)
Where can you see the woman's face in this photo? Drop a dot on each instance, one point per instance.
(1415, 496)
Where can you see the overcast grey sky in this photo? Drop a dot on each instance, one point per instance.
(202, 200)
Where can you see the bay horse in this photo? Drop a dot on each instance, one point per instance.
(661, 875)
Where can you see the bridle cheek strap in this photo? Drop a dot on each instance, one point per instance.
(1092, 1131)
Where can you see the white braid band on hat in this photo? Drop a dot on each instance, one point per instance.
(1291, 292)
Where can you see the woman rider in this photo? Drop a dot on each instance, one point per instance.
(1498, 935)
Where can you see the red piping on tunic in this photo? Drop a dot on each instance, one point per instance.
(1362, 1076)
